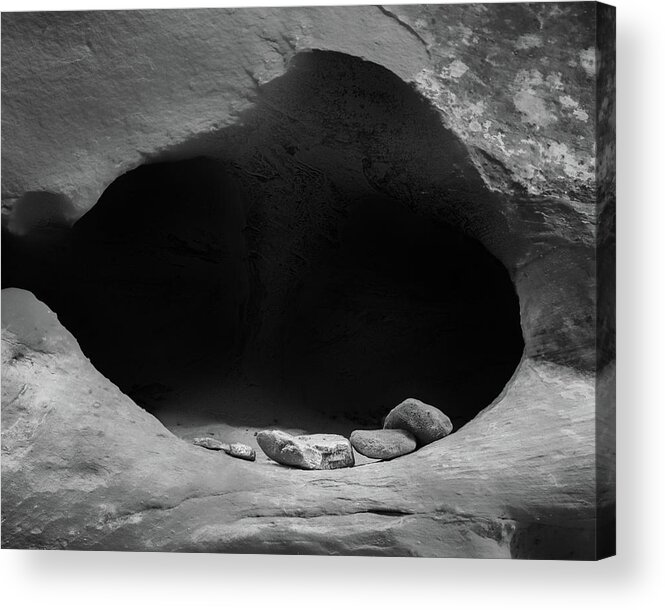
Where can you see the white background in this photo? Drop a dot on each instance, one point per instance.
(55, 580)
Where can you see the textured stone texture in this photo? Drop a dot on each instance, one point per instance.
(542, 53)
(100, 473)
(237, 450)
(242, 451)
(210, 443)
(425, 422)
(509, 159)
(143, 101)
(383, 444)
(308, 451)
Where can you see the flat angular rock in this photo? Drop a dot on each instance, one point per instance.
(311, 452)
(424, 421)
(210, 443)
(237, 450)
(383, 444)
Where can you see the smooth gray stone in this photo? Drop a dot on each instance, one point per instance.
(425, 422)
(383, 444)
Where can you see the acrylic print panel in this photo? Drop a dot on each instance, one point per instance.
(324, 280)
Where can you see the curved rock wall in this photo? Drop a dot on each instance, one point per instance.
(85, 468)
(150, 83)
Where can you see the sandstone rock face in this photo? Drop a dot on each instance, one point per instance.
(425, 422)
(431, 46)
(309, 451)
(505, 156)
(98, 472)
(536, 216)
(383, 444)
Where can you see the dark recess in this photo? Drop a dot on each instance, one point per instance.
(156, 281)
(313, 261)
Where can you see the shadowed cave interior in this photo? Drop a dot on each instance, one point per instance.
(222, 316)
(158, 284)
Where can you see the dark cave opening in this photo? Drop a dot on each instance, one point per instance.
(161, 272)
(307, 268)
(402, 307)
(159, 285)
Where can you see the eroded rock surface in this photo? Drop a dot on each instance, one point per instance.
(98, 472)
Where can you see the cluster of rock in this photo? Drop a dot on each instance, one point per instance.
(410, 424)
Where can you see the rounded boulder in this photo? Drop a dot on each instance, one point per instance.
(425, 422)
(383, 444)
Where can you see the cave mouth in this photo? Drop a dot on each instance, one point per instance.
(162, 284)
(307, 268)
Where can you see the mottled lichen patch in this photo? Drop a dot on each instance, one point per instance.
(513, 81)
(529, 41)
(569, 103)
(457, 68)
(588, 61)
(533, 108)
(496, 73)
(532, 94)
